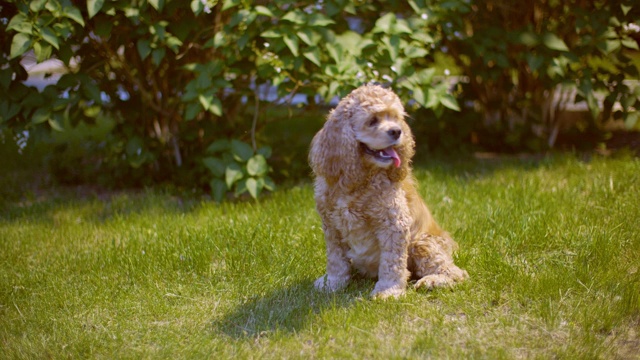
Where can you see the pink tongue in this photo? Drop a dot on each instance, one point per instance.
(391, 152)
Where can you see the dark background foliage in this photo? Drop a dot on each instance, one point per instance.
(225, 95)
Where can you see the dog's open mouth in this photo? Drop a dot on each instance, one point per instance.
(384, 155)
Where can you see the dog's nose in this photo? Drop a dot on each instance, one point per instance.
(394, 133)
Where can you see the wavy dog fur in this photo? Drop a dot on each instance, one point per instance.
(373, 218)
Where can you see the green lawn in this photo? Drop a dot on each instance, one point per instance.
(552, 247)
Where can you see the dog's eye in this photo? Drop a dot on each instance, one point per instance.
(374, 121)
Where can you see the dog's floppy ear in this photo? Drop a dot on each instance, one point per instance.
(334, 151)
(405, 150)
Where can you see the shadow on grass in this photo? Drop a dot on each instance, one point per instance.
(287, 309)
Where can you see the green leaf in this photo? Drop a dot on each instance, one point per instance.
(216, 107)
(385, 23)
(422, 37)
(37, 5)
(335, 51)
(132, 13)
(218, 189)
(415, 52)
(66, 53)
(419, 96)
(449, 102)
(292, 43)
(94, 6)
(313, 54)
(19, 45)
(33, 100)
(553, 42)
(20, 24)
(191, 111)
(528, 38)
(254, 187)
(393, 46)
(350, 41)
(295, 16)
(432, 99)
(206, 100)
(197, 7)
(228, 4)
(241, 187)
(42, 51)
(136, 154)
(263, 10)
(210, 102)
(233, 173)
(91, 91)
(54, 122)
(215, 165)
(269, 184)
(271, 33)
(608, 46)
(203, 82)
(402, 27)
(157, 55)
(625, 8)
(425, 76)
(631, 119)
(309, 36)
(49, 36)
(317, 19)
(265, 151)
(630, 43)
(157, 4)
(219, 145)
(219, 40)
(134, 146)
(73, 14)
(92, 111)
(8, 110)
(534, 61)
(53, 6)
(241, 150)
(257, 165)
(41, 115)
(174, 43)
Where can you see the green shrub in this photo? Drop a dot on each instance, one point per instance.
(518, 59)
(177, 76)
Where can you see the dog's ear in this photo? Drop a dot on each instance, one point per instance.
(405, 150)
(335, 154)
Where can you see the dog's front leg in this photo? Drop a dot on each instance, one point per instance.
(338, 265)
(392, 271)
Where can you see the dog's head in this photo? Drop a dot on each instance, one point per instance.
(366, 133)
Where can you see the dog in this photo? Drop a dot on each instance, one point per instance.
(373, 218)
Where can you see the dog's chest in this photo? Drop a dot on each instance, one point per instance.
(358, 232)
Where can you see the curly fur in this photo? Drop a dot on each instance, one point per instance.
(372, 215)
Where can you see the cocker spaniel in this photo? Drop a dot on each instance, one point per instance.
(372, 215)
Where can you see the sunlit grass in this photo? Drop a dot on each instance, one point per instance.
(552, 248)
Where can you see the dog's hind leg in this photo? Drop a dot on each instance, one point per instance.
(431, 261)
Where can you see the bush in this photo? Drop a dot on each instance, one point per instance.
(179, 76)
(519, 57)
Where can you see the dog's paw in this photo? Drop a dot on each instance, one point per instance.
(330, 283)
(448, 278)
(430, 282)
(384, 291)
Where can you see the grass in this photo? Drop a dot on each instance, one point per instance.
(552, 247)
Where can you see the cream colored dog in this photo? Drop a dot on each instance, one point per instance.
(372, 215)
